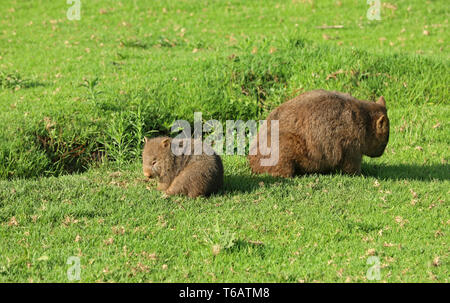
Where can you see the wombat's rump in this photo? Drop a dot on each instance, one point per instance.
(324, 131)
(191, 175)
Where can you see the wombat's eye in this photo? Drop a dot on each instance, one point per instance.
(153, 162)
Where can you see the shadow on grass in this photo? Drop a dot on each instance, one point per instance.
(250, 183)
(252, 247)
(33, 84)
(15, 81)
(408, 172)
(23, 85)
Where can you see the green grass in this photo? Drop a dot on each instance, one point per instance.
(76, 92)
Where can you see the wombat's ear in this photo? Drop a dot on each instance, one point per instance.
(145, 139)
(165, 142)
(381, 101)
(382, 124)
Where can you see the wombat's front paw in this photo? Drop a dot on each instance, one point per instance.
(162, 186)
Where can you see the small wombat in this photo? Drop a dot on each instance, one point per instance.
(185, 174)
(323, 131)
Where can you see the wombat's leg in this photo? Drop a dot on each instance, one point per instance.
(179, 185)
(193, 181)
(284, 168)
(287, 155)
(162, 186)
(352, 165)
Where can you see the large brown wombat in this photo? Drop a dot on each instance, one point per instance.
(323, 131)
(190, 174)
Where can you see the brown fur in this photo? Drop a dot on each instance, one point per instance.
(323, 131)
(191, 175)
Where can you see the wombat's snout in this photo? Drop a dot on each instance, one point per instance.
(148, 173)
(378, 151)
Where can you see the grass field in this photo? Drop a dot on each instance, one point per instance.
(77, 98)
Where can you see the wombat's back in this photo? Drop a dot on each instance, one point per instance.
(323, 115)
(317, 105)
